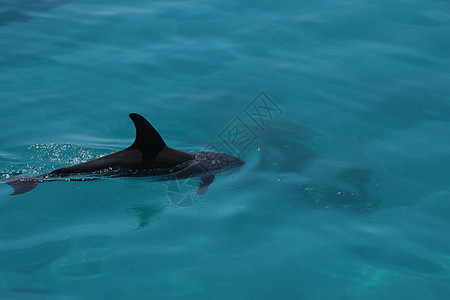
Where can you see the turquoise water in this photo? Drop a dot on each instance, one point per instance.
(345, 191)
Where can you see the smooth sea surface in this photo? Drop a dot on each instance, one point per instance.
(341, 110)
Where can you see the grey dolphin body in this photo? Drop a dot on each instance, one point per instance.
(147, 156)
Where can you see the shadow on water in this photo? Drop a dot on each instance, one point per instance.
(284, 149)
(349, 189)
(146, 214)
(319, 181)
(12, 11)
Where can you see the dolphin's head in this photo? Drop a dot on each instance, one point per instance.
(214, 161)
(230, 161)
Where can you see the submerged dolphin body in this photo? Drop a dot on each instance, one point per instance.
(147, 156)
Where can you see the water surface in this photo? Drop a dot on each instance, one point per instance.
(344, 194)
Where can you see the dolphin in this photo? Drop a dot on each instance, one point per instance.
(147, 156)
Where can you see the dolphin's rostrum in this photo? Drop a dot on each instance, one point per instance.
(147, 156)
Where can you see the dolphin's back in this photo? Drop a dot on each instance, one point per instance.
(148, 152)
(127, 158)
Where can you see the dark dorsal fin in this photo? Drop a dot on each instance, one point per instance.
(146, 136)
